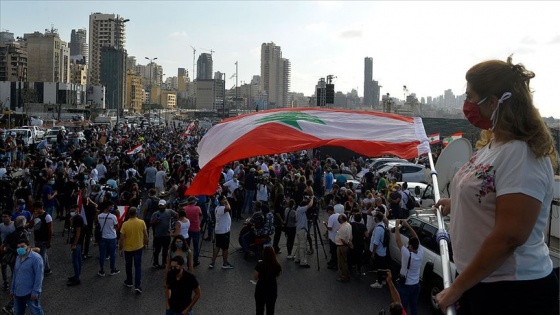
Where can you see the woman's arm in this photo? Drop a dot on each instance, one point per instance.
(190, 261)
(516, 215)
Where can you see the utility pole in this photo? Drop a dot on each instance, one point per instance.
(236, 80)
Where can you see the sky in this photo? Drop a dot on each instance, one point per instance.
(426, 45)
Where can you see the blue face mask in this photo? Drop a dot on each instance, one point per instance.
(85, 177)
(21, 250)
(51, 182)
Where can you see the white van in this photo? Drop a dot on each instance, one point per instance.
(26, 135)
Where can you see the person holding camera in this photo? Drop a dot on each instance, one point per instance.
(408, 284)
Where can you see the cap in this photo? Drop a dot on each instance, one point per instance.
(192, 199)
(162, 202)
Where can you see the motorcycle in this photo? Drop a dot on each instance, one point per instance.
(256, 243)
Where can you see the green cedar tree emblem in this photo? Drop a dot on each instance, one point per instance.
(291, 119)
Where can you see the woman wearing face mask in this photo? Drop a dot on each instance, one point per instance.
(500, 200)
(179, 247)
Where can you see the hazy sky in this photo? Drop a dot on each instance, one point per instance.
(427, 46)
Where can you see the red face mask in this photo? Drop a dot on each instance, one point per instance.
(472, 112)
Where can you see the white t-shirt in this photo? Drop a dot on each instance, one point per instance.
(108, 229)
(231, 185)
(503, 169)
(413, 276)
(223, 220)
(334, 224)
(160, 178)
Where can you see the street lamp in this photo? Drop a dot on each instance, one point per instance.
(150, 100)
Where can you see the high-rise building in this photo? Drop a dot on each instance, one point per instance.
(182, 79)
(375, 94)
(131, 63)
(275, 75)
(104, 30)
(113, 75)
(368, 82)
(78, 43)
(48, 57)
(204, 67)
(78, 70)
(6, 36)
(13, 62)
(134, 92)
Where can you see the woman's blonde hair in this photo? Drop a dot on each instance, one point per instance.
(518, 118)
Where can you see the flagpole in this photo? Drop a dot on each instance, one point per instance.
(442, 236)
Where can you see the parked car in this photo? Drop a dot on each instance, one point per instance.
(431, 272)
(50, 136)
(410, 172)
(356, 185)
(38, 132)
(423, 193)
(380, 162)
(26, 135)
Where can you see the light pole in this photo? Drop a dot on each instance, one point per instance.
(150, 100)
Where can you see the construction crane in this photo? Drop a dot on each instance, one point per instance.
(193, 62)
(210, 50)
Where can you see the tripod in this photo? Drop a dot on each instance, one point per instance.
(317, 232)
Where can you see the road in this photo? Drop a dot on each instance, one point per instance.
(300, 291)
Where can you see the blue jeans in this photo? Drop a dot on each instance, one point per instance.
(50, 210)
(248, 202)
(43, 252)
(129, 258)
(77, 261)
(104, 245)
(409, 295)
(170, 312)
(195, 238)
(20, 303)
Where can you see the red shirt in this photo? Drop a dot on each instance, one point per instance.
(193, 214)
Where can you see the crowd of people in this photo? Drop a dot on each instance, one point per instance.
(120, 185)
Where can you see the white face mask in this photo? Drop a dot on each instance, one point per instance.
(496, 111)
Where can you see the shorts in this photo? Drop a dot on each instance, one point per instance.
(222, 241)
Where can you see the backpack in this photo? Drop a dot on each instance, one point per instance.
(410, 203)
(386, 236)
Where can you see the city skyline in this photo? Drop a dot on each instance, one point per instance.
(427, 46)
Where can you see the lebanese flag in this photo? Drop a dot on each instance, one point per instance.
(434, 138)
(450, 139)
(135, 150)
(81, 210)
(295, 129)
(123, 211)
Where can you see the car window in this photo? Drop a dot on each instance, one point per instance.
(429, 194)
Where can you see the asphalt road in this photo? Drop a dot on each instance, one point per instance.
(300, 291)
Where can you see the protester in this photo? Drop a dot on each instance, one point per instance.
(500, 200)
(179, 289)
(302, 228)
(108, 244)
(6, 227)
(290, 227)
(378, 248)
(179, 247)
(266, 290)
(76, 240)
(27, 280)
(134, 237)
(222, 233)
(42, 232)
(412, 256)
(194, 214)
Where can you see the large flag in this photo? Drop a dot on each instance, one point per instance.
(286, 130)
(450, 139)
(434, 138)
(123, 211)
(135, 150)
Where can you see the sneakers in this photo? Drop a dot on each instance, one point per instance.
(227, 266)
(48, 271)
(115, 272)
(211, 266)
(138, 290)
(156, 266)
(127, 284)
(73, 282)
(376, 285)
(101, 273)
(85, 257)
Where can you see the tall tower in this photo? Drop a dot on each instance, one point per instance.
(48, 57)
(368, 82)
(275, 75)
(78, 43)
(104, 30)
(204, 67)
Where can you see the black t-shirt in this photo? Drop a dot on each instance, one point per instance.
(181, 291)
(77, 222)
(358, 234)
(369, 177)
(267, 278)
